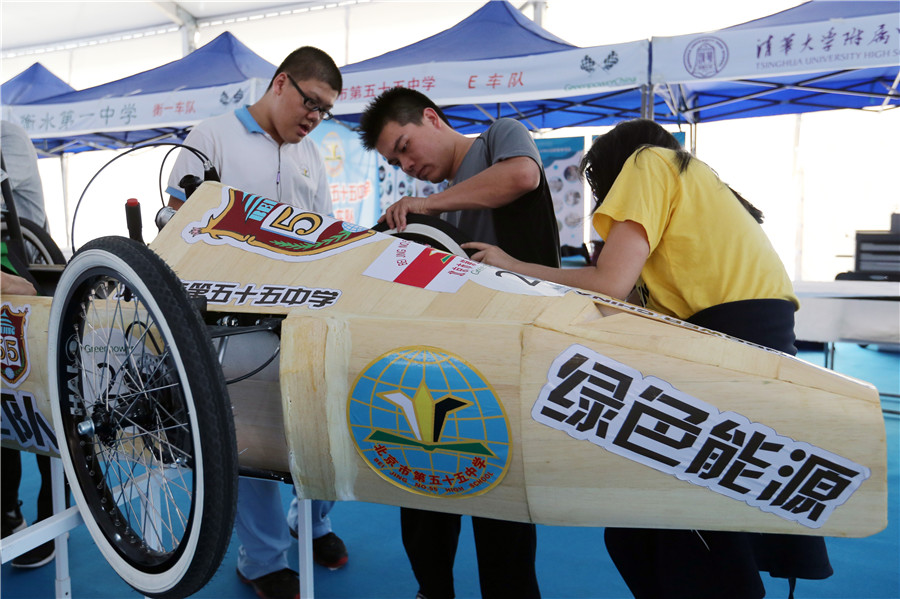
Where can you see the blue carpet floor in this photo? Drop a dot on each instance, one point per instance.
(572, 562)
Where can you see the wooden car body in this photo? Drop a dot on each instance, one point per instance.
(412, 377)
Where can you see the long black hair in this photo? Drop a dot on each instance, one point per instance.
(609, 153)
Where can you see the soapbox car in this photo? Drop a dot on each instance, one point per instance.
(370, 367)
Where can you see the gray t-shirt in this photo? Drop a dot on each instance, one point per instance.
(505, 138)
(526, 227)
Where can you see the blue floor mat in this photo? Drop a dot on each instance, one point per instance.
(572, 562)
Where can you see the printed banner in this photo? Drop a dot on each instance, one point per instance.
(351, 172)
(561, 158)
(562, 74)
(133, 113)
(870, 41)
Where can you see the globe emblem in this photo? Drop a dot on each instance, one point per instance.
(427, 421)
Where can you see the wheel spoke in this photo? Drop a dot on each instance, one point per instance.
(131, 418)
(138, 468)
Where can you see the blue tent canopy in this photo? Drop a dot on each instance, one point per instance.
(817, 56)
(223, 60)
(159, 103)
(813, 11)
(497, 63)
(33, 84)
(496, 30)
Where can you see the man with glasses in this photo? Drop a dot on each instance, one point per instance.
(262, 149)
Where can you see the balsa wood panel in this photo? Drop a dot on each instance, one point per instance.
(513, 338)
(34, 385)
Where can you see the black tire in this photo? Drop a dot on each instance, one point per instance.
(430, 231)
(138, 396)
(39, 246)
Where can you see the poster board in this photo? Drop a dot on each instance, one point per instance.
(351, 172)
(561, 158)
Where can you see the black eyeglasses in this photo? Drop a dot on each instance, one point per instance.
(308, 102)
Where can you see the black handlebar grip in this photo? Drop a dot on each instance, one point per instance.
(133, 219)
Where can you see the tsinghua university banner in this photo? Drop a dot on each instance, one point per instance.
(871, 41)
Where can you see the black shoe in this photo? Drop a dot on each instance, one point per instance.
(37, 557)
(283, 584)
(329, 551)
(12, 521)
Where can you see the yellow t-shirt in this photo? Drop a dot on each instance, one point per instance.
(705, 248)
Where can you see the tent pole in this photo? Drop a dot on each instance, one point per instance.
(346, 35)
(186, 22)
(798, 182)
(188, 39)
(538, 9)
(64, 172)
(647, 101)
(693, 130)
(892, 91)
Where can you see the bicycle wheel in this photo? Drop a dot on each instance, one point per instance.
(39, 246)
(430, 231)
(142, 417)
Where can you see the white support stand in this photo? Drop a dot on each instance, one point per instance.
(151, 517)
(64, 519)
(55, 527)
(304, 548)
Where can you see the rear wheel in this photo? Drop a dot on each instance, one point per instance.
(142, 418)
(39, 246)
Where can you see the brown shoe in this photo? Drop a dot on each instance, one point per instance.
(283, 584)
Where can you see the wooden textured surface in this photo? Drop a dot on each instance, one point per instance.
(35, 384)
(513, 338)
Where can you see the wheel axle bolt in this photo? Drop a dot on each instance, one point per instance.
(86, 428)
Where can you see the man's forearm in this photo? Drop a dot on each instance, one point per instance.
(493, 187)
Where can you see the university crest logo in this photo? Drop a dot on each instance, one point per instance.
(705, 57)
(428, 422)
(14, 363)
(280, 231)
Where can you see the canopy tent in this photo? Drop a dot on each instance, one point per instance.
(817, 56)
(159, 103)
(33, 84)
(497, 63)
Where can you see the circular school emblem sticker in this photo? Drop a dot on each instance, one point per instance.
(427, 421)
